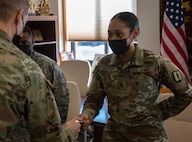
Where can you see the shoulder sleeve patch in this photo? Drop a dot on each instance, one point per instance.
(177, 76)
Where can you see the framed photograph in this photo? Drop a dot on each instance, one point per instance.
(37, 34)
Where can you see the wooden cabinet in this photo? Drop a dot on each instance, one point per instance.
(45, 33)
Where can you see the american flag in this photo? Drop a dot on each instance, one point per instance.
(173, 44)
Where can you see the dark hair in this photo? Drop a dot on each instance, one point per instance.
(128, 18)
(26, 29)
(7, 7)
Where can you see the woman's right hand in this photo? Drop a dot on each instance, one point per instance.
(85, 121)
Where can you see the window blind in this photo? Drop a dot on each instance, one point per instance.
(87, 20)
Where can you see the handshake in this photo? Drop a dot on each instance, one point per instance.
(78, 123)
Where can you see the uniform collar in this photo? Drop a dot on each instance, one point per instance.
(4, 35)
(137, 59)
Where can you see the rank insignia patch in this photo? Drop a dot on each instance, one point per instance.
(176, 76)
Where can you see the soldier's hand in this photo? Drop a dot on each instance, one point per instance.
(85, 121)
(74, 125)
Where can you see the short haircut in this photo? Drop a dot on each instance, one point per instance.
(26, 29)
(8, 7)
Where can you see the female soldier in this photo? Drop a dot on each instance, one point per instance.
(131, 78)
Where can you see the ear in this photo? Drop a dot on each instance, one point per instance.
(136, 32)
(19, 16)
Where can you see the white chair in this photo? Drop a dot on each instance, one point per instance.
(78, 71)
(74, 99)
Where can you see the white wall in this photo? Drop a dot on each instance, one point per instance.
(148, 12)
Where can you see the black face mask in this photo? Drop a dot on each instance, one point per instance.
(16, 39)
(25, 48)
(119, 46)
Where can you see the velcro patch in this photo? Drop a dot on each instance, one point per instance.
(176, 76)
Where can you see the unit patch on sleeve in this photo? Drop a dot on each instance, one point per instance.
(176, 76)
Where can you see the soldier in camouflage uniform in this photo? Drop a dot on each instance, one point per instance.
(52, 72)
(131, 78)
(25, 92)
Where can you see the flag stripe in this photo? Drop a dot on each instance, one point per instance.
(173, 45)
(175, 42)
(173, 50)
(173, 58)
(182, 33)
(178, 33)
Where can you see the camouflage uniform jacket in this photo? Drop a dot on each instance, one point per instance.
(55, 75)
(132, 88)
(25, 93)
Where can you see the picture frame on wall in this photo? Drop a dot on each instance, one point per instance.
(37, 35)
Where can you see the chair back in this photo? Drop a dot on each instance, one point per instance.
(74, 99)
(78, 71)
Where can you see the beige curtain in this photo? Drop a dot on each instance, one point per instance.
(87, 20)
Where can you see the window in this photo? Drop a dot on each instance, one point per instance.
(86, 50)
(86, 24)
